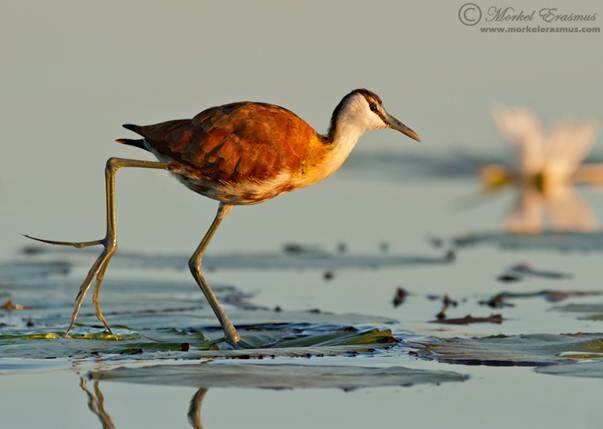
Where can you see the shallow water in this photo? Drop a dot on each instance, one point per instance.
(334, 331)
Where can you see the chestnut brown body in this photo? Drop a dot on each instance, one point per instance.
(239, 153)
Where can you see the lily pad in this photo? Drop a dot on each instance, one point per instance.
(159, 317)
(276, 376)
(166, 336)
(501, 299)
(283, 260)
(548, 240)
(515, 350)
(523, 270)
(583, 369)
(592, 311)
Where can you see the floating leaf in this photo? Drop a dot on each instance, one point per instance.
(519, 350)
(592, 311)
(299, 339)
(582, 369)
(285, 260)
(501, 299)
(275, 376)
(523, 270)
(548, 240)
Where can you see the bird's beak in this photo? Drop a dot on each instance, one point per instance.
(395, 124)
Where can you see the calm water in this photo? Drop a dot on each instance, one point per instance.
(403, 217)
(72, 73)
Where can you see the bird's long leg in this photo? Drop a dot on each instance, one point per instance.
(195, 264)
(109, 242)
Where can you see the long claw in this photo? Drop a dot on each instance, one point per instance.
(79, 299)
(96, 295)
(76, 244)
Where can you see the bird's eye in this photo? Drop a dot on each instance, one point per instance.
(373, 107)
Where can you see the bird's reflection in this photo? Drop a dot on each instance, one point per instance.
(96, 404)
(546, 168)
(194, 409)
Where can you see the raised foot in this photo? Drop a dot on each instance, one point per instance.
(76, 244)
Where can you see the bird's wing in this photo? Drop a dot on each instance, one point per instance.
(237, 141)
(522, 129)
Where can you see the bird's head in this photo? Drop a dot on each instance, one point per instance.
(363, 111)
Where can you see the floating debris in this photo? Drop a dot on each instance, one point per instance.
(341, 248)
(328, 275)
(436, 242)
(500, 300)
(508, 278)
(468, 320)
(300, 249)
(497, 301)
(446, 302)
(450, 255)
(384, 246)
(9, 305)
(522, 270)
(399, 297)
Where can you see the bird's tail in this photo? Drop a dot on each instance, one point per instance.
(139, 143)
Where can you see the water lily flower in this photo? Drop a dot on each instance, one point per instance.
(547, 165)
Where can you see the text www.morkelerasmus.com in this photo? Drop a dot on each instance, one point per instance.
(539, 29)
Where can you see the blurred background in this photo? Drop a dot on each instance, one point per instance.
(73, 72)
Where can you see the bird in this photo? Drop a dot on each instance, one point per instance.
(238, 154)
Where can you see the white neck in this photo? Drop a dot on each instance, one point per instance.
(353, 120)
(344, 140)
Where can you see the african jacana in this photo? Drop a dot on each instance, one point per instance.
(238, 154)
